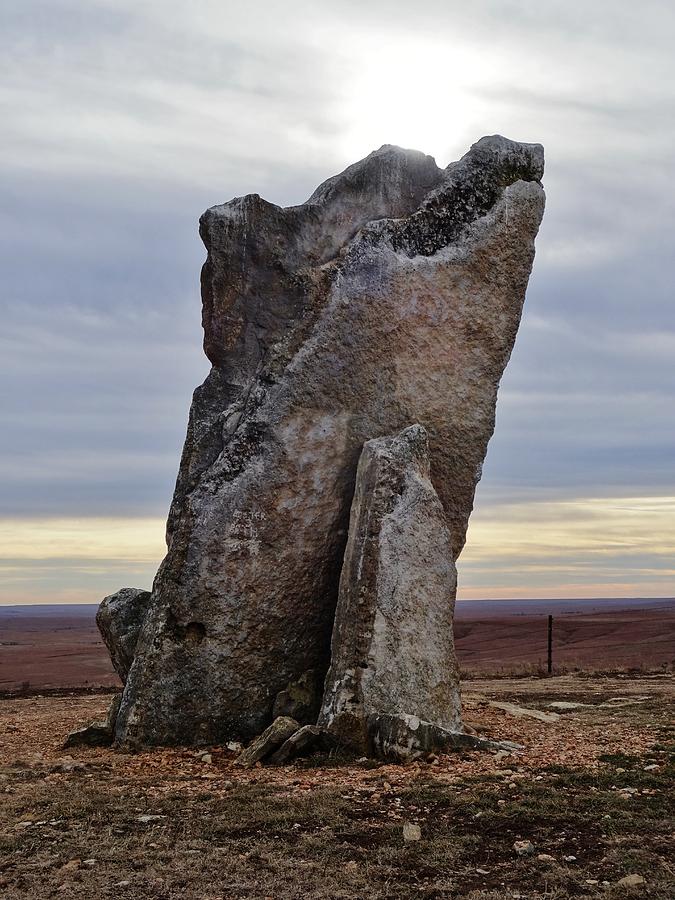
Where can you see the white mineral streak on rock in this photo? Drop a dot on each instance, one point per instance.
(392, 296)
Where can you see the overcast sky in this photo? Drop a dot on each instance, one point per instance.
(122, 121)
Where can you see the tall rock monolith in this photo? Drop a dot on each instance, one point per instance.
(392, 296)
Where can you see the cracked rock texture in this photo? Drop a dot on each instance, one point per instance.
(392, 651)
(392, 296)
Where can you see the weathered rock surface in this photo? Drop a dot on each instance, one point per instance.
(402, 737)
(392, 653)
(392, 296)
(119, 619)
(266, 743)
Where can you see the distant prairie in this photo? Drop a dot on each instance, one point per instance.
(55, 647)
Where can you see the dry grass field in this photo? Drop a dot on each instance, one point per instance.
(592, 791)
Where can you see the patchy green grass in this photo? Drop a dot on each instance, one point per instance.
(343, 841)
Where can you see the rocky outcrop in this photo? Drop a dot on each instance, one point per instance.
(119, 619)
(392, 296)
(392, 654)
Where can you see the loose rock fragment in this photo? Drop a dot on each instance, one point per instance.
(271, 738)
(633, 880)
(523, 848)
(411, 832)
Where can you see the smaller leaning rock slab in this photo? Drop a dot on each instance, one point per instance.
(266, 743)
(393, 687)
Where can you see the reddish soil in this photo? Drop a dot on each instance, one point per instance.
(51, 648)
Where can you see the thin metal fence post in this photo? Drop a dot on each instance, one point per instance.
(549, 666)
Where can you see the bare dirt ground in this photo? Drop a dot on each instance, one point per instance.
(592, 790)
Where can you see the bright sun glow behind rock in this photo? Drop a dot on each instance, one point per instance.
(421, 95)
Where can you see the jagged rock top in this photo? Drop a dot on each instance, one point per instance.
(370, 198)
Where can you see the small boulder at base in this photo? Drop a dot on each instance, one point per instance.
(94, 735)
(267, 742)
(98, 734)
(119, 619)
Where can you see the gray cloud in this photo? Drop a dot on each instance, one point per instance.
(123, 121)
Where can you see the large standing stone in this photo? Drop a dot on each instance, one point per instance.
(392, 651)
(392, 296)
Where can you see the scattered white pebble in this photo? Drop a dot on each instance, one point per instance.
(411, 832)
(633, 880)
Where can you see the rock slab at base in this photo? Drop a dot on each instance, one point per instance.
(392, 296)
(392, 654)
(98, 734)
(401, 738)
(266, 743)
(304, 741)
